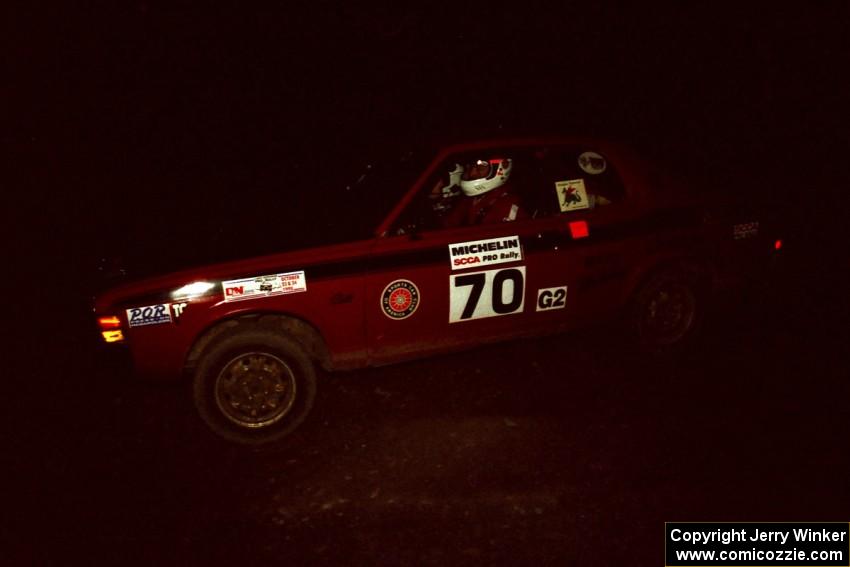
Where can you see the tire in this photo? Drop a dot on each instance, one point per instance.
(254, 386)
(667, 311)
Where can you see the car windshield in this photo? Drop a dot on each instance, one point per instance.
(371, 193)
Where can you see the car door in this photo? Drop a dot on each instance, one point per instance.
(443, 288)
(589, 220)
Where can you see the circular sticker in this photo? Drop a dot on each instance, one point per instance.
(592, 163)
(400, 299)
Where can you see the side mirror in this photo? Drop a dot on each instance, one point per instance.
(412, 230)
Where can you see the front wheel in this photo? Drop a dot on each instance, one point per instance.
(254, 386)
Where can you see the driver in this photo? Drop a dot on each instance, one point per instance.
(489, 196)
(446, 190)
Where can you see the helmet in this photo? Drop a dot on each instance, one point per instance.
(482, 176)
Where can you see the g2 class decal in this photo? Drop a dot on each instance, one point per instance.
(400, 299)
(486, 294)
(480, 253)
(551, 298)
(149, 315)
(264, 286)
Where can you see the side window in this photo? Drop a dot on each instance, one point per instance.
(440, 194)
(576, 179)
(485, 187)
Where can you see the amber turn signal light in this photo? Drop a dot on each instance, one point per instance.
(113, 336)
(109, 322)
(110, 328)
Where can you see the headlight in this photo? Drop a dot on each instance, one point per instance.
(192, 290)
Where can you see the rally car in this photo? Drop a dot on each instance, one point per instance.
(494, 240)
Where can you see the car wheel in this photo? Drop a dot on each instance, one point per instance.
(667, 310)
(254, 386)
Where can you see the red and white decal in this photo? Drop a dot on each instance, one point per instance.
(264, 286)
(400, 299)
(480, 253)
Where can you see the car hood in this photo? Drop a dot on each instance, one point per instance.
(158, 289)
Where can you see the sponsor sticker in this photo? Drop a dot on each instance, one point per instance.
(264, 286)
(149, 315)
(551, 298)
(178, 308)
(490, 293)
(400, 299)
(592, 163)
(481, 253)
(572, 195)
(745, 230)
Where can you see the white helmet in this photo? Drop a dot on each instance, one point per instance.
(482, 176)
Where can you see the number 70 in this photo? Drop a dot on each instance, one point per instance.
(502, 292)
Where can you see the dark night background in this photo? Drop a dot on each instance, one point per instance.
(167, 136)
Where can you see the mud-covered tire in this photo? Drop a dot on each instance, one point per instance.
(254, 386)
(667, 311)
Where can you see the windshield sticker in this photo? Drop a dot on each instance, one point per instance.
(264, 286)
(485, 252)
(400, 299)
(150, 315)
(592, 163)
(572, 195)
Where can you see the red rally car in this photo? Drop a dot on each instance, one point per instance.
(494, 240)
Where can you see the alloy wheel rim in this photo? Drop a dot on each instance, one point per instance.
(255, 390)
(670, 313)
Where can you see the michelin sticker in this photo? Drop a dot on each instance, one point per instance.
(551, 298)
(400, 299)
(490, 293)
(572, 195)
(150, 315)
(264, 286)
(592, 163)
(485, 252)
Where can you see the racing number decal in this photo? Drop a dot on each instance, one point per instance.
(486, 294)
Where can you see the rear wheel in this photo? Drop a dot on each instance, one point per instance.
(667, 310)
(254, 386)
